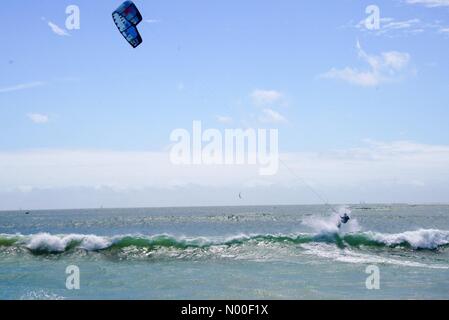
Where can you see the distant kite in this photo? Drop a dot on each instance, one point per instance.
(126, 18)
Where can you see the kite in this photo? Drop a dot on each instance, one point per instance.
(126, 18)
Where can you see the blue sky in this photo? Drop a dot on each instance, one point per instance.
(309, 68)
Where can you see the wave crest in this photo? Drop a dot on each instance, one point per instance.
(44, 243)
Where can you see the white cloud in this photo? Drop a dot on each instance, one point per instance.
(22, 86)
(38, 118)
(265, 97)
(268, 100)
(58, 30)
(271, 116)
(374, 160)
(393, 26)
(399, 171)
(430, 3)
(224, 119)
(401, 24)
(152, 21)
(353, 76)
(115, 169)
(444, 30)
(384, 68)
(395, 60)
(396, 165)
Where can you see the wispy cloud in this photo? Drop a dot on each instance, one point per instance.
(389, 24)
(430, 3)
(224, 119)
(268, 101)
(271, 116)
(265, 97)
(391, 27)
(383, 68)
(353, 76)
(58, 30)
(405, 24)
(22, 86)
(152, 21)
(38, 118)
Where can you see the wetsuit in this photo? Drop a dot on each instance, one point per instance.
(345, 219)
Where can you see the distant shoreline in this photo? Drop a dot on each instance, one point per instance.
(364, 206)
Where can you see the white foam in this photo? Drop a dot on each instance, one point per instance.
(348, 256)
(59, 243)
(41, 295)
(420, 239)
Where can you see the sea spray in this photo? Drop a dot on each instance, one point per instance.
(330, 224)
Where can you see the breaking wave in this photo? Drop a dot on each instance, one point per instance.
(45, 243)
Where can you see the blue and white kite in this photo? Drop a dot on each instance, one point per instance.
(126, 18)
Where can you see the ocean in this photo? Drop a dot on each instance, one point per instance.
(263, 252)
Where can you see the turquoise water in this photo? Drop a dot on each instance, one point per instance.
(284, 252)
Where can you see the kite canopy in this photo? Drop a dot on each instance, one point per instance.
(126, 18)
